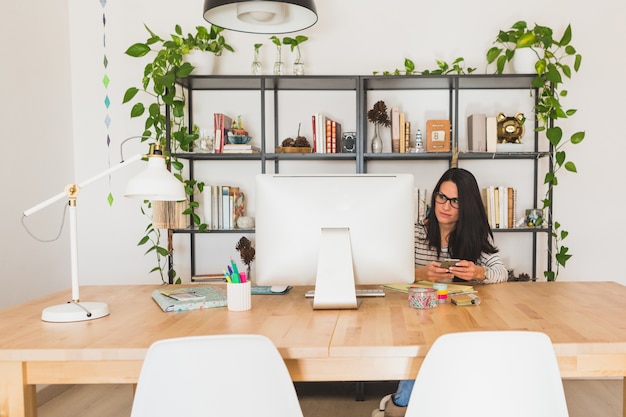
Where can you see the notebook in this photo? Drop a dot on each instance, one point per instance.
(210, 297)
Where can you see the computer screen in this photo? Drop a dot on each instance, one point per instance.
(334, 232)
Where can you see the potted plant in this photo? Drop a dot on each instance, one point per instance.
(278, 64)
(294, 43)
(159, 86)
(552, 66)
(378, 115)
(257, 67)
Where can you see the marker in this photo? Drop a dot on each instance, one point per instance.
(236, 271)
(227, 277)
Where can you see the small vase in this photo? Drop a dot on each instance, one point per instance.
(278, 68)
(298, 68)
(257, 67)
(377, 142)
(278, 65)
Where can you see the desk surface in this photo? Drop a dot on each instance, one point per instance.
(383, 340)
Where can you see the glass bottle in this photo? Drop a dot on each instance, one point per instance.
(278, 65)
(377, 142)
(257, 67)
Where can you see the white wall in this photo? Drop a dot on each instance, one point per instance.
(351, 37)
(36, 135)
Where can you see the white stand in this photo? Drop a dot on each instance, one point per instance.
(74, 310)
(334, 284)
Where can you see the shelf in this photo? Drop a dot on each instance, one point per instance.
(249, 82)
(449, 91)
(522, 230)
(503, 155)
(214, 231)
(199, 156)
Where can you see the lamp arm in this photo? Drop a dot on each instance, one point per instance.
(83, 184)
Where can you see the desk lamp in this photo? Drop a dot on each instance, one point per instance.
(154, 183)
(261, 16)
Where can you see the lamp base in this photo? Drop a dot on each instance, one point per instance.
(75, 311)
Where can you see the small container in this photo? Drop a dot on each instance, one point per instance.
(442, 292)
(422, 297)
(239, 296)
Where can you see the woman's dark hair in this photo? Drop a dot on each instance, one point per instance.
(472, 234)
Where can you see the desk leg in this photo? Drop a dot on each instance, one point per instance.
(16, 398)
(624, 398)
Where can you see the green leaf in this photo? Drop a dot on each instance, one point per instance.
(554, 135)
(137, 110)
(162, 251)
(570, 166)
(577, 137)
(549, 275)
(567, 36)
(526, 40)
(560, 157)
(143, 240)
(138, 50)
(130, 94)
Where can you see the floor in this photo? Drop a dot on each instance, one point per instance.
(585, 398)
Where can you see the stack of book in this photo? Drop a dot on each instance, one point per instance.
(240, 148)
(326, 134)
(223, 205)
(501, 206)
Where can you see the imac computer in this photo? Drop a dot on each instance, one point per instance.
(334, 232)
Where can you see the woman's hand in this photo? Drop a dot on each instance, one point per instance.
(468, 270)
(433, 272)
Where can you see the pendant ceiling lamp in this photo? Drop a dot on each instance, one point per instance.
(261, 16)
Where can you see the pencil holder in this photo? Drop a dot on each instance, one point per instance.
(239, 296)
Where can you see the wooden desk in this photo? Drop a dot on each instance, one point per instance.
(383, 340)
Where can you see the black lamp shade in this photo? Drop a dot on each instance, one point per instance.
(261, 16)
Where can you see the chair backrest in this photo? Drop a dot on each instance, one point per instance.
(489, 374)
(222, 375)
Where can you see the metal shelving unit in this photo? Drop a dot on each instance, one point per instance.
(362, 86)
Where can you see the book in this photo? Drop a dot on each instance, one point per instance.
(476, 133)
(468, 299)
(239, 147)
(215, 207)
(491, 134)
(221, 125)
(186, 294)
(213, 297)
(395, 129)
(225, 207)
(329, 136)
(452, 288)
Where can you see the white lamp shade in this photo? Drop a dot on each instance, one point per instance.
(156, 183)
(261, 16)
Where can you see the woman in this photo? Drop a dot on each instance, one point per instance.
(456, 227)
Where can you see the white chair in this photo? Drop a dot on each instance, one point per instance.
(489, 374)
(223, 375)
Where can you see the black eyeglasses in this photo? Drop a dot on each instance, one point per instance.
(441, 198)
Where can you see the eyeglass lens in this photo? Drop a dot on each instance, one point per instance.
(441, 198)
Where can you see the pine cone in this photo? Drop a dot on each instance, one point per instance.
(302, 142)
(246, 251)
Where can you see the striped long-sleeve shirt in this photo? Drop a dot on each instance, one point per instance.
(495, 271)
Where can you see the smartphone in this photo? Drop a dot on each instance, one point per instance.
(447, 263)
